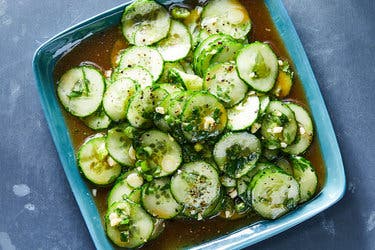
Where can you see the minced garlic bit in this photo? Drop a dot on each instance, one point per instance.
(277, 130)
(208, 123)
(134, 180)
(114, 219)
(132, 153)
(283, 145)
(200, 217)
(108, 73)
(267, 29)
(252, 75)
(233, 194)
(302, 130)
(278, 113)
(280, 62)
(94, 192)
(111, 162)
(160, 110)
(227, 214)
(255, 127)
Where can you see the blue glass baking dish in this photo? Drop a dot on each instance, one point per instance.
(44, 62)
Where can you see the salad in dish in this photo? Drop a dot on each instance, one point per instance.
(192, 122)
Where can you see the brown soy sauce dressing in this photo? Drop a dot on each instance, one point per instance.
(100, 50)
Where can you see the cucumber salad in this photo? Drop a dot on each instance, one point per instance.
(192, 122)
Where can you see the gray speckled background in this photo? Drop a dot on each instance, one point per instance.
(37, 208)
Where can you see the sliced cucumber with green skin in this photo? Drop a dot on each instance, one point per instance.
(222, 81)
(237, 153)
(145, 22)
(228, 53)
(304, 133)
(273, 193)
(203, 117)
(226, 16)
(177, 44)
(97, 121)
(119, 145)
(126, 188)
(207, 49)
(141, 108)
(116, 98)
(95, 162)
(138, 74)
(284, 164)
(128, 224)
(169, 87)
(157, 199)
(158, 153)
(189, 81)
(279, 126)
(305, 174)
(164, 78)
(196, 186)
(264, 102)
(257, 66)
(146, 57)
(244, 114)
(80, 90)
(228, 181)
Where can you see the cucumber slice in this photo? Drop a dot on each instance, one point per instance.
(304, 133)
(179, 12)
(284, 164)
(306, 177)
(97, 121)
(257, 66)
(145, 22)
(157, 199)
(146, 57)
(189, 81)
(203, 117)
(126, 188)
(226, 16)
(237, 153)
(192, 23)
(279, 126)
(95, 163)
(177, 44)
(128, 224)
(158, 153)
(119, 145)
(273, 193)
(228, 53)
(222, 81)
(244, 114)
(116, 98)
(168, 66)
(80, 90)
(142, 106)
(264, 102)
(169, 87)
(138, 74)
(196, 186)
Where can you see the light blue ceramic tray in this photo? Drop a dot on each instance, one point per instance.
(43, 64)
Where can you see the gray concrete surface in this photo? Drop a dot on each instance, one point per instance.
(37, 208)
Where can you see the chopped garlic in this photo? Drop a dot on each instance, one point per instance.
(111, 162)
(200, 217)
(94, 192)
(114, 219)
(252, 75)
(255, 127)
(134, 180)
(107, 73)
(227, 214)
(280, 62)
(278, 113)
(277, 130)
(209, 122)
(131, 153)
(160, 110)
(302, 130)
(283, 145)
(233, 194)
